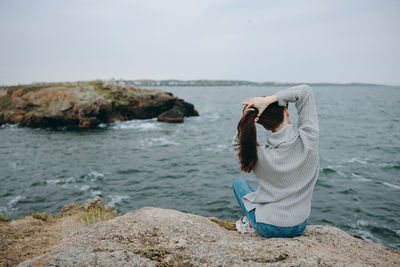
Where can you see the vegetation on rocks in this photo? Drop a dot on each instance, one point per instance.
(84, 104)
(227, 224)
(155, 255)
(40, 216)
(160, 237)
(4, 218)
(94, 216)
(39, 233)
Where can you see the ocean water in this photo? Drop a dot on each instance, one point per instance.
(191, 166)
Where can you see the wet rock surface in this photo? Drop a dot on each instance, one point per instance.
(84, 104)
(172, 115)
(161, 237)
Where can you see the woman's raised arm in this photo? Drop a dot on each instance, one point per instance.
(303, 96)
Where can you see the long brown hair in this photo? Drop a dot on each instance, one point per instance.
(271, 118)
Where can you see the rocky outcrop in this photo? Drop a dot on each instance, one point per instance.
(162, 237)
(172, 115)
(84, 104)
(39, 233)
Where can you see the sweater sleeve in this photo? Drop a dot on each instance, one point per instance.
(303, 96)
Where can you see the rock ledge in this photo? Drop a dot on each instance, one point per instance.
(161, 237)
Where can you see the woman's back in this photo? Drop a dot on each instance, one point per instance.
(288, 166)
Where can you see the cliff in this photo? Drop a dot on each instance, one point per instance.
(161, 237)
(86, 104)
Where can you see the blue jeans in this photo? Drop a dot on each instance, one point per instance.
(241, 188)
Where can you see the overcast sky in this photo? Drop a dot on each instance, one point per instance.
(293, 41)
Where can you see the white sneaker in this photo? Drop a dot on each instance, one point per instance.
(243, 226)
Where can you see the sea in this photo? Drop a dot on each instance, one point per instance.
(191, 166)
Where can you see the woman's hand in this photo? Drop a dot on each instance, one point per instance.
(247, 109)
(260, 103)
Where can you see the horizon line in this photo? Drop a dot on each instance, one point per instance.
(210, 80)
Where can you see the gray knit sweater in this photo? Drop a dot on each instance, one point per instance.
(288, 166)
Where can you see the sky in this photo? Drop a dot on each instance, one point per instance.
(260, 40)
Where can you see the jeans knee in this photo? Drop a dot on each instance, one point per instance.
(237, 182)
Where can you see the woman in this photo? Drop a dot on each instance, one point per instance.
(286, 168)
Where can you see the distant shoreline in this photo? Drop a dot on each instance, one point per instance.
(172, 82)
(234, 83)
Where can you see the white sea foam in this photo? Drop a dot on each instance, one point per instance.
(70, 180)
(360, 178)
(385, 165)
(356, 160)
(84, 187)
(95, 193)
(158, 141)
(95, 174)
(7, 125)
(212, 116)
(14, 200)
(360, 228)
(217, 148)
(388, 165)
(116, 199)
(147, 125)
(362, 223)
(391, 185)
(11, 205)
(61, 181)
(335, 168)
(53, 181)
(366, 235)
(13, 164)
(398, 232)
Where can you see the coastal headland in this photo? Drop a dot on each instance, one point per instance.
(94, 235)
(87, 104)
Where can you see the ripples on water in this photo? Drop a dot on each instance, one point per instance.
(190, 166)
